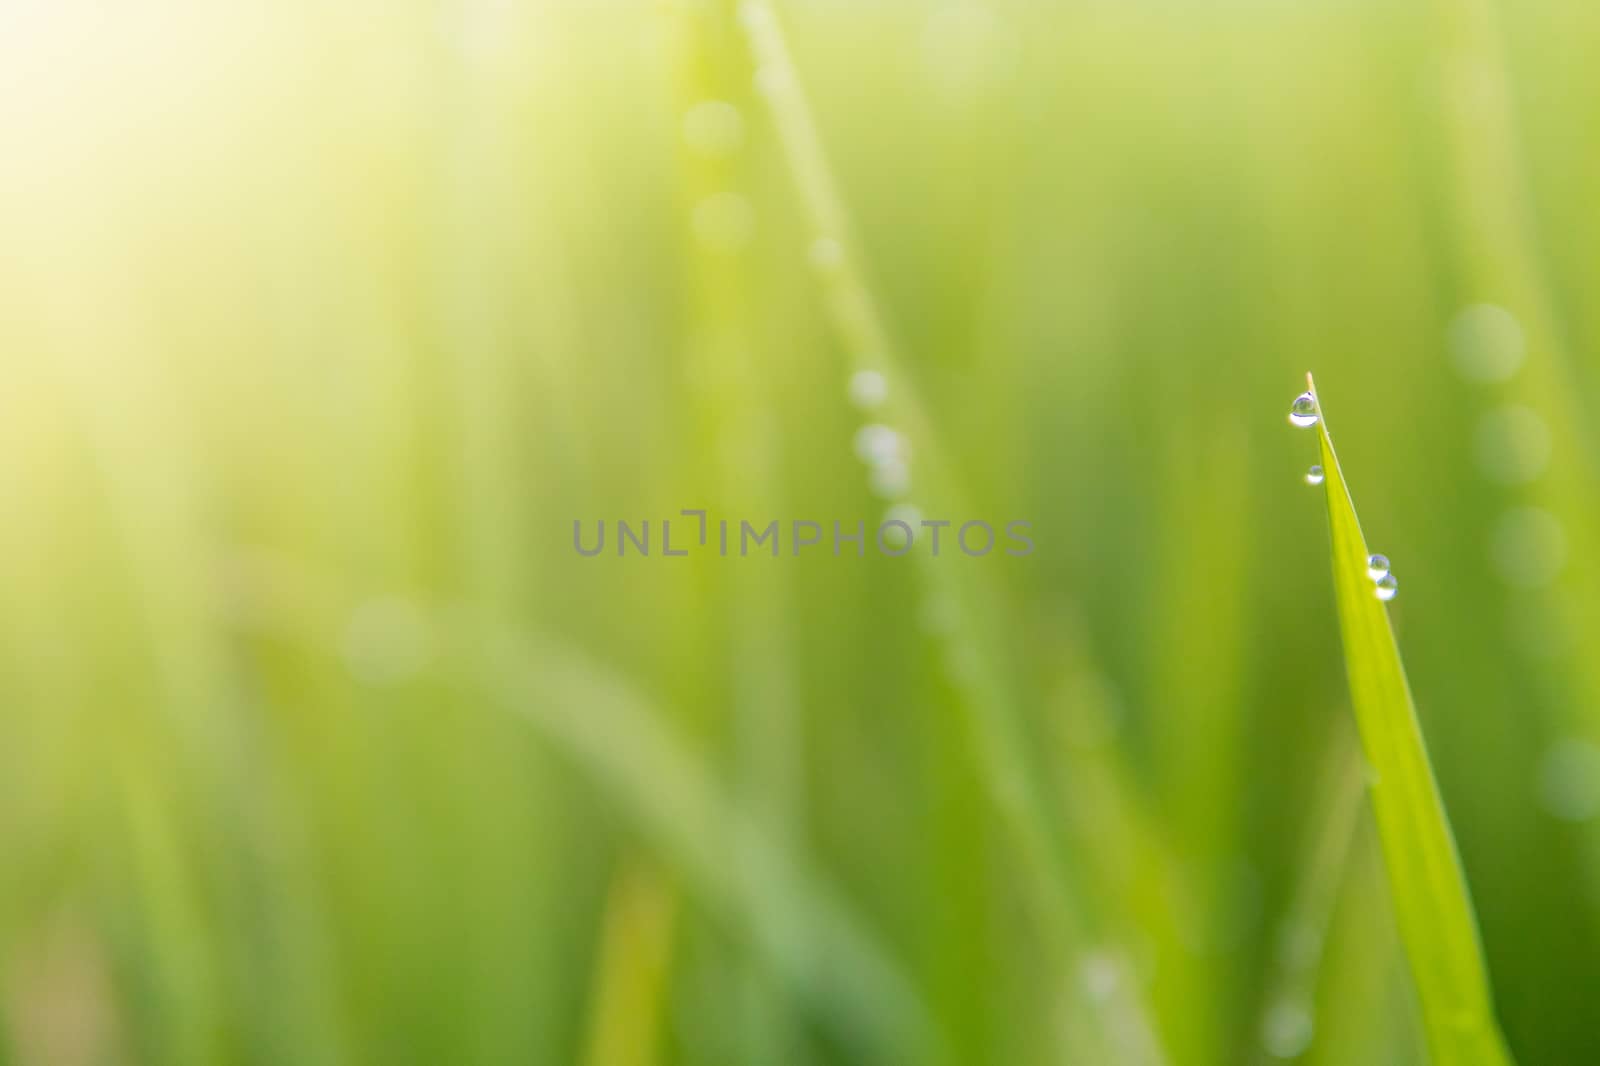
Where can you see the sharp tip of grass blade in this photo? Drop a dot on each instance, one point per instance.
(1432, 902)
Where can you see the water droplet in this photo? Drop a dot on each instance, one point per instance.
(827, 255)
(1528, 547)
(890, 479)
(876, 443)
(1101, 975)
(1387, 588)
(868, 389)
(908, 513)
(1300, 946)
(1314, 476)
(897, 533)
(1303, 412)
(1377, 566)
(1486, 343)
(1569, 780)
(1287, 1029)
(713, 128)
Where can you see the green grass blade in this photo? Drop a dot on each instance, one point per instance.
(1431, 904)
(793, 920)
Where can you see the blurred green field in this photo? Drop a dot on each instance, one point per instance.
(321, 325)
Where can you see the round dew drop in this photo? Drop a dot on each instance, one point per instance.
(826, 255)
(1287, 1030)
(1377, 566)
(1303, 412)
(1386, 588)
(876, 444)
(890, 479)
(868, 389)
(1314, 476)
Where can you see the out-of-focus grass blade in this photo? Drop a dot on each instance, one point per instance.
(796, 924)
(1432, 907)
(1015, 778)
(633, 970)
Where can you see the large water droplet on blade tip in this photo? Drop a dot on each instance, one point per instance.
(1303, 412)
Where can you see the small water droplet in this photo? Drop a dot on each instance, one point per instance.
(1314, 476)
(868, 389)
(1101, 976)
(1377, 566)
(1387, 588)
(1287, 1030)
(827, 255)
(1303, 412)
(1300, 946)
(890, 479)
(876, 444)
(908, 513)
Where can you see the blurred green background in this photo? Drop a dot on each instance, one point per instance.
(321, 324)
